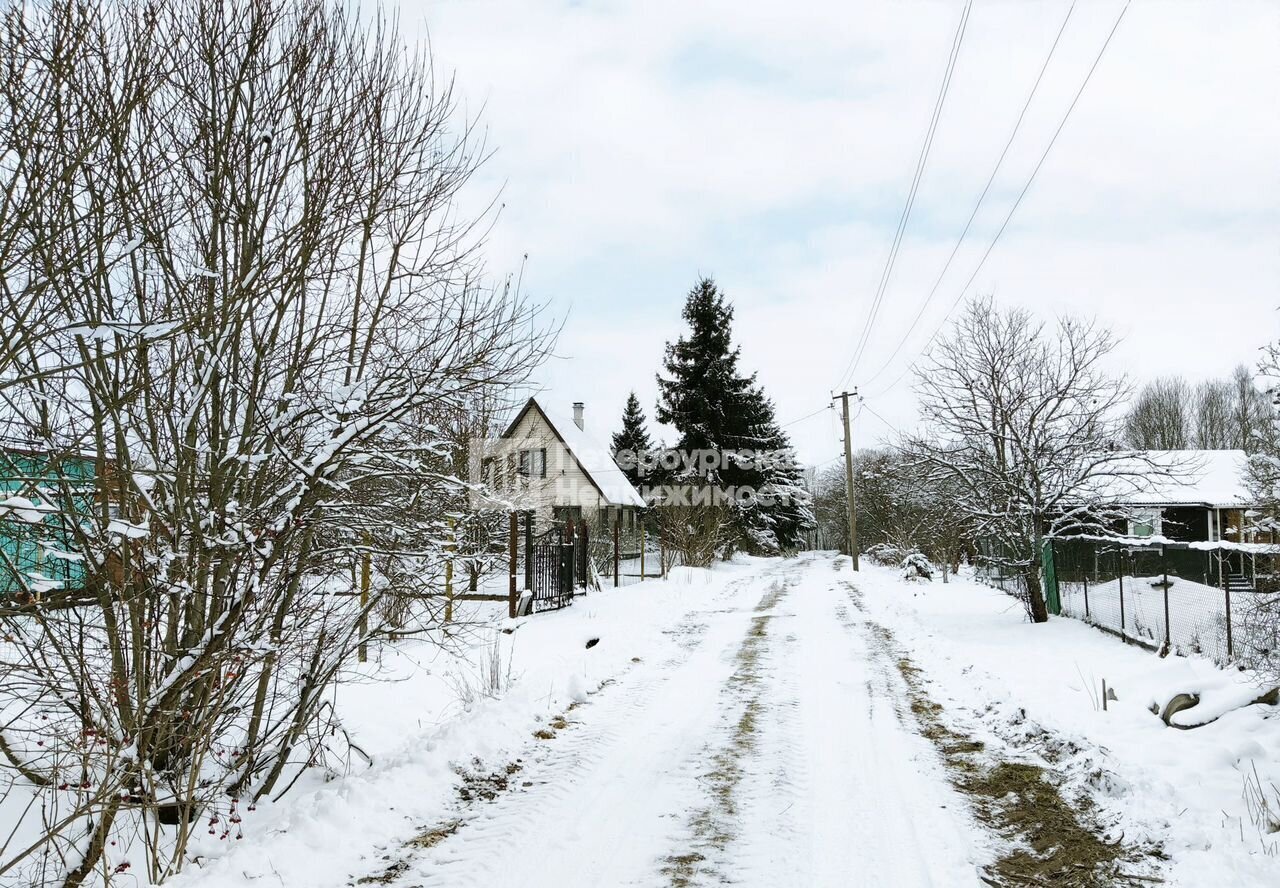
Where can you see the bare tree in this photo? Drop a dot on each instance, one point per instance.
(1161, 416)
(1250, 411)
(1215, 402)
(235, 282)
(1019, 420)
(696, 535)
(1259, 634)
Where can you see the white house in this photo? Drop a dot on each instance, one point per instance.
(549, 463)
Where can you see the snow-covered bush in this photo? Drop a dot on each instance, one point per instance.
(916, 567)
(885, 554)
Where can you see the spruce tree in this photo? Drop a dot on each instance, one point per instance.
(705, 398)
(777, 521)
(632, 443)
(716, 407)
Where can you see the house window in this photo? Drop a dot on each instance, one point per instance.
(1145, 523)
(533, 463)
(561, 514)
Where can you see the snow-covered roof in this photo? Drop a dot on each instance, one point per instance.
(1184, 477)
(595, 459)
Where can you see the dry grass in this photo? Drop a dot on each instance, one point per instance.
(1052, 841)
(713, 825)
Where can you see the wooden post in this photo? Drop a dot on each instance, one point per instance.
(662, 557)
(366, 573)
(561, 589)
(615, 553)
(850, 491)
(642, 551)
(1086, 595)
(528, 549)
(512, 554)
(448, 575)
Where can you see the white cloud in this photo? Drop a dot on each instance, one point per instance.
(772, 145)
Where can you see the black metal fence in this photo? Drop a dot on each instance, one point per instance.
(553, 567)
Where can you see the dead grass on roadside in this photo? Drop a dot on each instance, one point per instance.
(1053, 842)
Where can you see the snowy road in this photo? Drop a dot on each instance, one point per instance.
(771, 748)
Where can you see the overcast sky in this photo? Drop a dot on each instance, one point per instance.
(771, 145)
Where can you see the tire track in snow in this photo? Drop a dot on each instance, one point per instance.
(708, 851)
(559, 824)
(869, 805)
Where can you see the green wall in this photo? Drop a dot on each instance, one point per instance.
(63, 482)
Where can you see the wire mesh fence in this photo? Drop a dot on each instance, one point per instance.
(993, 573)
(1188, 600)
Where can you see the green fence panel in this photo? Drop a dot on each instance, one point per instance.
(1051, 597)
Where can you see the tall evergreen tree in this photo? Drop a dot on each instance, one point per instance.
(632, 443)
(785, 509)
(714, 406)
(705, 397)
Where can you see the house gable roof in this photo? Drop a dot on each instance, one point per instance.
(593, 459)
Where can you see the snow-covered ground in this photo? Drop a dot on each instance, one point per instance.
(745, 725)
(1182, 788)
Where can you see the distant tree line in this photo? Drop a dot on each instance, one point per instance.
(1170, 413)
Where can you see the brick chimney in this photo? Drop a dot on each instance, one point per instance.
(577, 413)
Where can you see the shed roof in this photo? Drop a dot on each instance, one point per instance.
(1213, 478)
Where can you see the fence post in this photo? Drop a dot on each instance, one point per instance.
(1124, 630)
(567, 587)
(584, 537)
(513, 551)
(366, 571)
(1164, 571)
(642, 535)
(1086, 595)
(528, 549)
(448, 574)
(662, 557)
(616, 564)
(1226, 592)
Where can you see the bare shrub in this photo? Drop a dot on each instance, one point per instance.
(236, 295)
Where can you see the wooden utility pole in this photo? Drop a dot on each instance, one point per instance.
(848, 478)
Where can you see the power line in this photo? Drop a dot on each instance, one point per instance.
(981, 197)
(1023, 193)
(891, 260)
(806, 416)
(891, 426)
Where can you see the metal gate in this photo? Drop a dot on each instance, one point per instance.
(554, 570)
